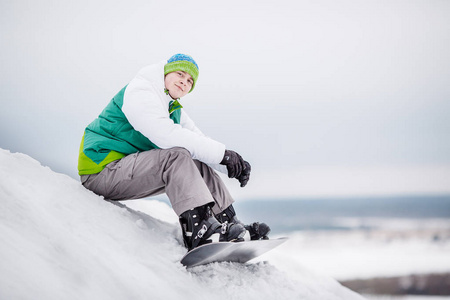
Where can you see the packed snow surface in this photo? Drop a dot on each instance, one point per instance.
(60, 241)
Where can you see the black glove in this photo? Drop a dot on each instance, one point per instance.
(234, 163)
(245, 175)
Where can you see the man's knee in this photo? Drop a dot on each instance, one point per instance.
(178, 151)
(177, 155)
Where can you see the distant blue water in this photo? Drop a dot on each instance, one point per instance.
(286, 215)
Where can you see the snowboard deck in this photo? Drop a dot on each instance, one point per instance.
(240, 252)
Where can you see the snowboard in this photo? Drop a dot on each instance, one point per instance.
(240, 252)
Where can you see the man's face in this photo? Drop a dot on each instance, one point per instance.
(179, 83)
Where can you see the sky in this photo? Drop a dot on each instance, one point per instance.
(323, 98)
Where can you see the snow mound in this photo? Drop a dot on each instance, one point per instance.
(60, 241)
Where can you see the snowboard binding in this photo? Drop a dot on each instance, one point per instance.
(257, 231)
(200, 227)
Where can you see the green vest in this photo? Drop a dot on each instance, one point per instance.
(111, 137)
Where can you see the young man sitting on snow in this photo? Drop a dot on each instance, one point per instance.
(144, 144)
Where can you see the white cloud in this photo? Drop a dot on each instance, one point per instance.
(344, 181)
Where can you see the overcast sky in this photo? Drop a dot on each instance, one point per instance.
(322, 97)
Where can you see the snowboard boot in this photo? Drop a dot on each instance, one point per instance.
(200, 227)
(256, 230)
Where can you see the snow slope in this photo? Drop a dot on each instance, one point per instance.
(60, 241)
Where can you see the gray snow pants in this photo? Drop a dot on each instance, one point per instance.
(188, 183)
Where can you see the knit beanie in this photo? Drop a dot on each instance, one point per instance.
(182, 62)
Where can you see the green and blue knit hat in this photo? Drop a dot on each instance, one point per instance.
(182, 62)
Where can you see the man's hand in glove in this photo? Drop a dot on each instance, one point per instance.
(237, 167)
(245, 175)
